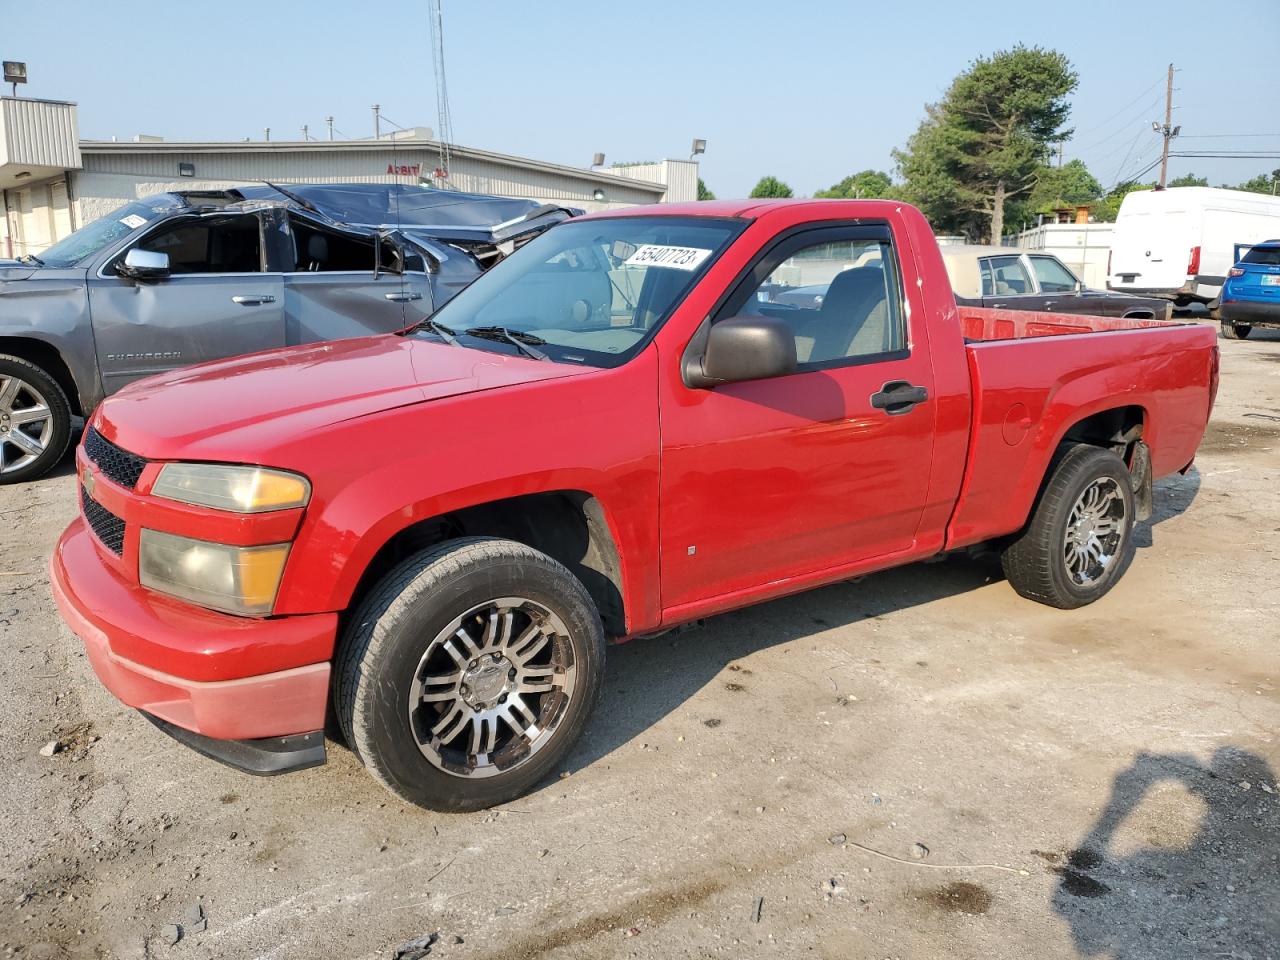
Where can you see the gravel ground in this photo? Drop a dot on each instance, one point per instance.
(918, 764)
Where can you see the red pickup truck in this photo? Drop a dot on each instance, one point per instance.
(625, 426)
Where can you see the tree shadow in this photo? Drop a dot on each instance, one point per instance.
(1215, 896)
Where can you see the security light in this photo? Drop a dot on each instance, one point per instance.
(598, 195)
(699, 146)
(598, 160)
(15, 72)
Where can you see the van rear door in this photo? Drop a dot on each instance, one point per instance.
(1152, 244)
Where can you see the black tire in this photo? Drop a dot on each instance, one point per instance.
(32, 378)
(1236, 331)
(1036, 562)
(387, 644)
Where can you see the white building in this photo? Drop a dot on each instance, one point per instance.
(52, 183)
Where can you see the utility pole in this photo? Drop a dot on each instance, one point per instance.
(377, 122)
(305, 136)
(1061, 143)
(1168, 131)
(266, 132)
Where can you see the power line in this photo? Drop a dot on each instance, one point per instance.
(1104, 123)
(1226, 136)
(1150, 105)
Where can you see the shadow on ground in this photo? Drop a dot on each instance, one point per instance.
(1217, 895)
(649, 678)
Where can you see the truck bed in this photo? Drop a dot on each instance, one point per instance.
(987, 323)
(1034, 374)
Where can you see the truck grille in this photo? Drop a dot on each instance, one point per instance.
(106, 526)
(117, 465)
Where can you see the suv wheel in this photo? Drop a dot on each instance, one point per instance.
(1080, 539)
(35, 421)
(1236, 331)
(468, 673)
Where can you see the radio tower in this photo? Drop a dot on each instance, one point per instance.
(444, 122)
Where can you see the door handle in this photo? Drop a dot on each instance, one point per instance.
(252, 300)
(898, 396)
(402, 297)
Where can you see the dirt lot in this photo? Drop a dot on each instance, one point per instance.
(1095, 783)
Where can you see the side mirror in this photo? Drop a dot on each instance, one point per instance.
(1079, 287)
(144, 265)
(746, 348)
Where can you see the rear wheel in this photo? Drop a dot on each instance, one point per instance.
(1080, 538)
(468, 673)
(1236, 331)
(35, 421)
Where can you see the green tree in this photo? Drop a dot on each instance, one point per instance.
(987, 140)
(1189, 180)
(1262, 183)
(1067, 185)
(771, 187)
(862, 185)
(1105, 209)
(703, 192)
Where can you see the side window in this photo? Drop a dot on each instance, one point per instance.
(329, 251)
(1053, 276)
(1005, 277)
(841, 299)
(221, 245)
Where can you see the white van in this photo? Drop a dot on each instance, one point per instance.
(1179, 243)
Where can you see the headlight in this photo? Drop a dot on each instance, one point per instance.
(238, 489)
(240, 580)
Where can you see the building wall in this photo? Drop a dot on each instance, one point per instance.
(680, 177)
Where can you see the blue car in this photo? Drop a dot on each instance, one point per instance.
(1251, 295)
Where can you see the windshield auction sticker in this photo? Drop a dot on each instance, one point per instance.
(679, 258)
(133, 221)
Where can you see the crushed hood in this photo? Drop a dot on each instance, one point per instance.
(239, 410)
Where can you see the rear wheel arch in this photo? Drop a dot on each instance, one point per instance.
(570, 526)
(1120, 429)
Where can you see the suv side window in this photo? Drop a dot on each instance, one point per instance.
(1005, 277)
(221, 245)
(841, 297)
(329, 251)
(1053, 276)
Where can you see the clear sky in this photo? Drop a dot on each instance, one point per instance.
(807, 90)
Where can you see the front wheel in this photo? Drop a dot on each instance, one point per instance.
(35, 421)
(468, 673)
(1236, 331)
(1080, 539)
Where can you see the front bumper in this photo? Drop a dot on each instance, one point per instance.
(195, 669)
(1250, 313)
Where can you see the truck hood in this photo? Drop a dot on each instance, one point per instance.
(239, 410)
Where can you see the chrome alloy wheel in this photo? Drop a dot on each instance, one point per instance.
(1095, 531)
(26, 424)
(492, 687)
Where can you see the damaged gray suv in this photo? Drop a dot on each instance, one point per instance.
(185, 277)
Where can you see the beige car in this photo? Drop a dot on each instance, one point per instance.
(988, 276)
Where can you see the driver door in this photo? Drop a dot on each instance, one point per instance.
(765, 480)
(217, 300)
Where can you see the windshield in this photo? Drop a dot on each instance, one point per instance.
(105, 231)
(589, 291)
